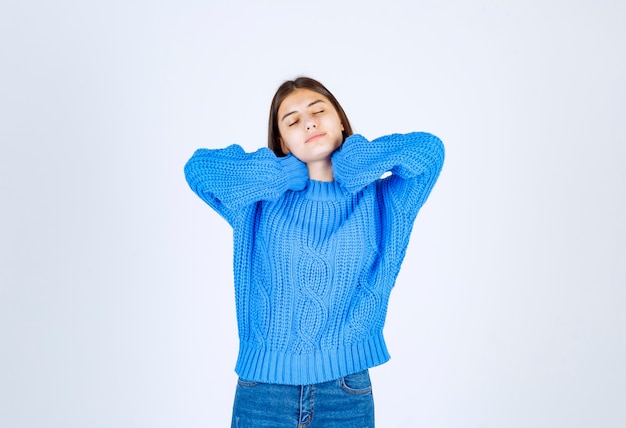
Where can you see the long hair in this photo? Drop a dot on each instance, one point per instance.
(273, 134)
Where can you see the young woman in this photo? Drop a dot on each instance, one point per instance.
(319, 238)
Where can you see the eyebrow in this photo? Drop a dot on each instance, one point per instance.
(292, 112)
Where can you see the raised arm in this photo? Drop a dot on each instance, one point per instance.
(415, 161)
(228, 179)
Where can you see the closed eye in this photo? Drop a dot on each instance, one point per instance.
(318, 112)
(293, 123)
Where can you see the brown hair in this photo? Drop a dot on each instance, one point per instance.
(273, 135)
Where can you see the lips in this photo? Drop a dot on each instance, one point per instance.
(315, 137)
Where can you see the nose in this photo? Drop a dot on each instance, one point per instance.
(310, 124)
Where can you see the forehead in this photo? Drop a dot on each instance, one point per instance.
(300, 99)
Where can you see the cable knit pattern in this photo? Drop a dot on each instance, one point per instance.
(315, 262)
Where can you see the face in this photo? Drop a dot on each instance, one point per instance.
(309, 126)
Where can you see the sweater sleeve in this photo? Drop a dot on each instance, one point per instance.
(414, 160)
(228, 179)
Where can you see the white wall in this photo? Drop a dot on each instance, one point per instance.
(116, 300)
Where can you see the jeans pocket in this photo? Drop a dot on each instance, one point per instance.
(357, 383)
(247, 383)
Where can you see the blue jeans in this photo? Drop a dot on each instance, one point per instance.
(346, 402)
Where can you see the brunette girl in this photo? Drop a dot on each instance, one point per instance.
(319, 238)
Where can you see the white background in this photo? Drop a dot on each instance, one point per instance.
(116, 299)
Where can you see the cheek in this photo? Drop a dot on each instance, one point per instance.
(335, 122)
(286, 138)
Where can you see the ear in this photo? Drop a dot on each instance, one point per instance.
(342, 128)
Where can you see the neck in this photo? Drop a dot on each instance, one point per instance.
(321, 171)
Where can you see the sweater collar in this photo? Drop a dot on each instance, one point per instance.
(323, 190)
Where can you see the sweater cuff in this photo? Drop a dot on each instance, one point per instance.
(345, 169)
(295, 172)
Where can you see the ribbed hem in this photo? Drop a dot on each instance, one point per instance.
(260, 365)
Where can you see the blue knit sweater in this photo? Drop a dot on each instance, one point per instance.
(314, 262)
